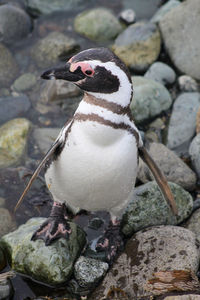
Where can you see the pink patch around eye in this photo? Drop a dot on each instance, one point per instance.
(85, 68)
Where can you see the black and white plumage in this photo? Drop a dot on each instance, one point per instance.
(93, 163)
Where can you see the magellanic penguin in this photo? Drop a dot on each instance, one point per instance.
(93, 163)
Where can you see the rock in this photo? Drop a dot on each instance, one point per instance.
(127, 16)
(48, 50)
(149, 208)
(180, 32)
(161, 72)
(13, 138)
(138, 45)
(24, 82)
(164, 9)
(149, 100)
(194, 152)
(7, 223)
(193, 224)
(187, 84)
(15, 24)
(6, 289)
(13, 107)
(170, 164)
(53, 264)
(8, 67)
(162, 248)
(183, 297)
(154, 133)
(45, 137)
(97, 24)
(45, 7)
(2, 202)
(180, 132)
(2, 261)
(89, 271)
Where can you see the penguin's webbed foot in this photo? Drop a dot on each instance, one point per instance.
(111, 242)
(56, 226)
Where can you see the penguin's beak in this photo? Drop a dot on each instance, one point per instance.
(63, 73)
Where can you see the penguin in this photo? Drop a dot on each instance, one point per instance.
(93, 163)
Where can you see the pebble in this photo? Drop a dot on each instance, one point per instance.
(45, 137)
(13, 107)
(8, 67)
(194, 152)
(187, 84)
(149, 100)
(164, 9)
(180, 32)
(138, 45)
(127, 16)
(193, 224)
(6, 289)
(148, 252)
(25, 82)
(97, 24)
(48, 50)
(161, 73)
(155, 131)
(89, 271)
(52, 265)
(180, 132)
(7, 223)
(170, 164)
(149, 208)
(13, 139)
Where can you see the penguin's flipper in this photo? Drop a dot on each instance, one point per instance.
(160, 178)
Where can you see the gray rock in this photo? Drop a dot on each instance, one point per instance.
(187, 84)
(48, 50)
(25, 82)
(138, 45)
(52, 264)
(149, 100)
(6, 289)
(164, 9)
(89, 271)
(180, 32)
(170, 164)
(149, 208)
(183, 297)
(162, 248)
(8, 67)
(161, 72)
(15, 24)
(2, 202)
(127, 16)
(194, 152)
(193, 224)
(13, 107)
(7, 223)
(45, 137)
(182, 123)
(13, 139)
(97, 24)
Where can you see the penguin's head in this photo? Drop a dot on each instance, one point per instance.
(96, 71)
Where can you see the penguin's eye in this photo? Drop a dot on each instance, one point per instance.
(88, 72)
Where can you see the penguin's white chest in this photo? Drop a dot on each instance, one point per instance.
(96, 169)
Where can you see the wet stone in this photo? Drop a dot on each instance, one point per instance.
(194, 152)
(7, 223)
(164, 9)
(149, 208)
(187, 84)
(161, 72)
(24, 82)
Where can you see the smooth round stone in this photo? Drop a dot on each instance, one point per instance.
(194, 152)
(97, 24)
(187, 84)
(138, 45)
(8, 67)
(164, 9)
(49, 50)
(127, 16)
(15, 24)
(183, 45)
(161, 72)
(149, 100)
(7, 224)
(25, 82)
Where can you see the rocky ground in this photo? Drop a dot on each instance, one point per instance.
(160, 44)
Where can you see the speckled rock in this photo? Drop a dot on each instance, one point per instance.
(52, 264)
(194, 152)
(180, 133)
(148, 251)
(187, 84)
(15, 24)
(170, 164)
(149, 100)
(55, 45)
(13, 107)
(149, 208)
(45, 137)
(13, 138)
(138, 45)
(89, 271)
(7, 223)
(24, 82)
(193, 223)
(163, 10)
(161, 72)
(180, 33)
(8, 67)
(97, 24)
